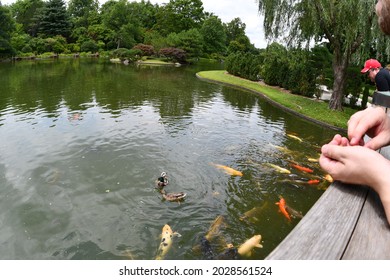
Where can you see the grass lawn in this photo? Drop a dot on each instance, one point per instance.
(310, 108)
(155, 62)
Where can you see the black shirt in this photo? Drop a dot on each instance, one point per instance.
(382, 80)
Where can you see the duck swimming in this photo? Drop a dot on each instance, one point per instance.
(173, 196)
(162, 181)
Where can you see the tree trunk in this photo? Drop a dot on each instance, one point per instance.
(340, 66)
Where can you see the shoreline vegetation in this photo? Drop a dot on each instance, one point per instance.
(312, 109)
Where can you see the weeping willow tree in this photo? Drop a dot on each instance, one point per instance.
(349, 27)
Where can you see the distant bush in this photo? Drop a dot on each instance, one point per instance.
(131, 55)
(147, 50)
(174, 54)
(89, 46)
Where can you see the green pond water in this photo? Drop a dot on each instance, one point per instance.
(83, 141)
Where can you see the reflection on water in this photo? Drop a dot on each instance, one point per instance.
(82, 143)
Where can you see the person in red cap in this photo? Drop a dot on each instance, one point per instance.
(380, 76)
(352, 160)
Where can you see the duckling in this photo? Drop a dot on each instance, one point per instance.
(162, 181)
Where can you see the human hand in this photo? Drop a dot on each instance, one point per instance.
(354, 164)
(357, 165)
(372, 121)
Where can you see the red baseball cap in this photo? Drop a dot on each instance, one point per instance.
(369, 64)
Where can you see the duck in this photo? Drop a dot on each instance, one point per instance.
(173, 196)
(162, 181)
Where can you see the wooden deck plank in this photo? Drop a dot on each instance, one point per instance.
(326, 229)
(371, 238)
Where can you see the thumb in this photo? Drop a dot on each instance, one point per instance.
(376, 142)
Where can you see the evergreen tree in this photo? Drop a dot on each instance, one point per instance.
(55, 19)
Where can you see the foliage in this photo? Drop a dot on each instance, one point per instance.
(245, 65)
(295, 103)
(179, 15)
(300, 22)
(89, 46)
(174, 54)
(214, 35)
(190, 41)
(147, 50)
(123, 54)
(28, 13)
(7, 26)
(55, 19)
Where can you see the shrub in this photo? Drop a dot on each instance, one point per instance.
(174, 54)
(147, 50)
(89, 46)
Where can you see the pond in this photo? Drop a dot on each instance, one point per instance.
(83, 141)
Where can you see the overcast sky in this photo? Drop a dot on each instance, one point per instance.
(226, 10)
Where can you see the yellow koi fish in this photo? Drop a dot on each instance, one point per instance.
(215, 227)
(228, 170)
(279, 169)
(246, 248)
(166, 242)
(313, 159)
(328, 178)
(254, 214)
(295, 137)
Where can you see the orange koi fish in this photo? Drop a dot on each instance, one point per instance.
(228, 170)
(302, 168)
(282, 208)
(313, 182)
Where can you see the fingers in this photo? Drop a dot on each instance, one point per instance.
(357, 128)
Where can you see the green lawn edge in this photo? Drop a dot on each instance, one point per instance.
(310, 109)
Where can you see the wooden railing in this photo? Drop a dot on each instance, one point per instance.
(347, 222)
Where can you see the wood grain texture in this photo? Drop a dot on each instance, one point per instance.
(371, 238)
(326, 229)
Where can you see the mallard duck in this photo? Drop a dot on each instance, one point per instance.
(173, 196)
(162, 181)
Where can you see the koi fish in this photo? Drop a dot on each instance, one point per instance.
(215, 227)
(295, 137)
(278, 168)
(166, 242)
(228, 170)
(253, 214)
(246, 248)
(212, 233)
(283, 149)
(302, 168)
(313, 182)
(328, 178)
(313, 159)
(282, 208)
(293, 212)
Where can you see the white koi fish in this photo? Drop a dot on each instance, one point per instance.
(246, 248)
(279, 169)
(295, 137)
(166, 242)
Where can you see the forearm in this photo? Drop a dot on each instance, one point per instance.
(382, 187)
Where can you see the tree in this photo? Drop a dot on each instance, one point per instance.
(190, 41)
(214, 35)
(7, 26)
(179, 15)
(346, 24)
(234, 30)
(27, 13)
(55, 19)
(119, 18)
